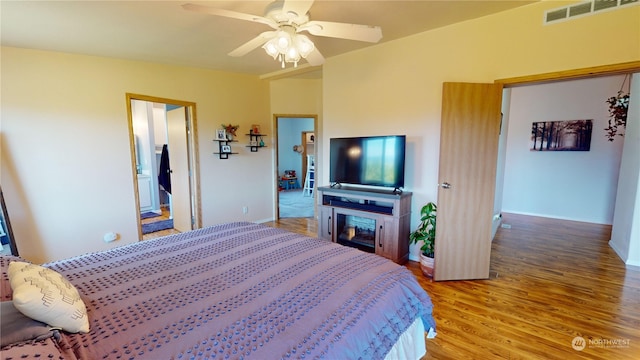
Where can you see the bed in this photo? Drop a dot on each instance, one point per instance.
(236, 291)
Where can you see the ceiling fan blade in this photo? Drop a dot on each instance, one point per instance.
(230, 14)
(366, 33)
(253, 43)
(315, 58)
(299, 7)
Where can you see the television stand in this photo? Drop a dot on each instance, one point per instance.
(376, 221)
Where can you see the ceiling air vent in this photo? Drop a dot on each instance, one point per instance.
(556, 15)
(603, 4)
(585, 8)
(580, 9)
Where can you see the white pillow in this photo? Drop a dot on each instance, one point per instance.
(45, 295)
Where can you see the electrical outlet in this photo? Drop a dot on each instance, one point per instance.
(245, 209)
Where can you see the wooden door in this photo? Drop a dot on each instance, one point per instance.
(179, 164)
(467, 175)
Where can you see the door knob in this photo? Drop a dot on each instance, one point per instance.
(445, 185)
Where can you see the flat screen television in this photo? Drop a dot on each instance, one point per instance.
(372, 160)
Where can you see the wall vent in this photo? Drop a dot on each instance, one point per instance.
(580, 9)
(556, 15)
(590, 7)
(601, 5)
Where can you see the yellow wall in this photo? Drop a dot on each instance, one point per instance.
(66, 169)
(395, 87)
(297, 97)
(66, 163)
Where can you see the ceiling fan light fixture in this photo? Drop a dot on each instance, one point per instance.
(287, 18)
(283, 41)
(304, 45)
(271, 48)
(288, 47)
(292, 54)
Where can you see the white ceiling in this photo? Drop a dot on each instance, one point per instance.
(162, 32)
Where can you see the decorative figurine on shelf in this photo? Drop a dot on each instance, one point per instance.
(230, 130)
(261, 142)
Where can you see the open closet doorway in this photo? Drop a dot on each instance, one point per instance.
(164, 159)
(296, 154)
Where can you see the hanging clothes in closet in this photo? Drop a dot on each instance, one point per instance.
(164, 173)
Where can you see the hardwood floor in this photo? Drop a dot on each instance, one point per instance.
(164, 216)
(306, 226)
(551, 281)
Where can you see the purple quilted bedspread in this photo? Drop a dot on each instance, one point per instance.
(237, 291)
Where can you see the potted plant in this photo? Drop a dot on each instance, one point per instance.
(426, 232)
(618, 108)
(230, 130)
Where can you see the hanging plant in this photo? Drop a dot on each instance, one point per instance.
(618, 107)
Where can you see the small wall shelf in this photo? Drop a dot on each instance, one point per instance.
(256, 141)
(224, 149)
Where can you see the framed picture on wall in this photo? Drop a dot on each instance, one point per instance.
(572, 135)
(226, 148)
(221, 134)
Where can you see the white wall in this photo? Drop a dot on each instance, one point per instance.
(625, 236)
(573, 185)
(502, 156)
(396, 87)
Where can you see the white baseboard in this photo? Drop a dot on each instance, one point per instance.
(554, 217)
(629, 264)
(633, 267)
(617, 250)
(263, 221)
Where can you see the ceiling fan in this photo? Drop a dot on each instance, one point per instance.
(289, 18)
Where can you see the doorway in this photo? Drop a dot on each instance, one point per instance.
(295, 154)
(450, 248)
(164, 160)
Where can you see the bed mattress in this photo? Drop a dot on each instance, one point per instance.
(236, 291)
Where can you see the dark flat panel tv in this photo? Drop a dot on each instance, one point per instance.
(373, 160)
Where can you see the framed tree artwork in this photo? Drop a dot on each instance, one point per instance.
(573, 135)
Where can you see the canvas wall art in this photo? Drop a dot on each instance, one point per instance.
(573, 135)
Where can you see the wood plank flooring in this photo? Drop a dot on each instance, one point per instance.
(166, 214)
(551, 281)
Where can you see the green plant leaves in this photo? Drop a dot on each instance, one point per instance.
(426, 231)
